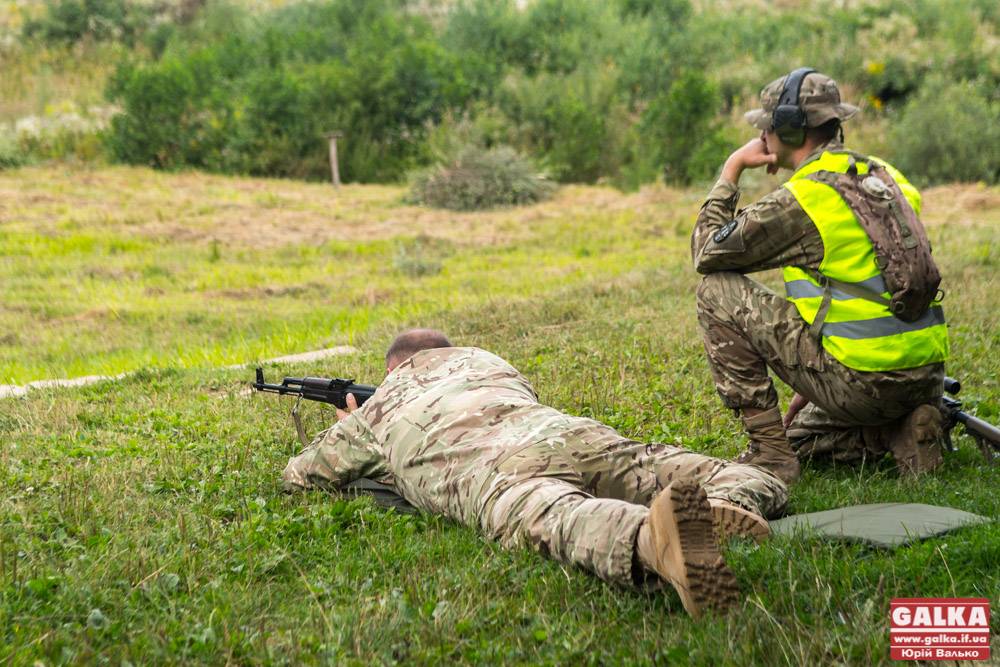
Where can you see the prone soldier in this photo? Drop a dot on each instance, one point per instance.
(457, 431)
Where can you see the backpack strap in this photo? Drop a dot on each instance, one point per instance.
(830, 178)
(828, 284)
(902, 250)
(857, 291)
(816, 328)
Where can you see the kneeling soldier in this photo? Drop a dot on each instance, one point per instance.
(860, 336)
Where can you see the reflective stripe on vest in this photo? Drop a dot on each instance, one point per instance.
(859, 333)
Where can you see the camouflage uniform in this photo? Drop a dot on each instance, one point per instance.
(460, 432)
(748, 329)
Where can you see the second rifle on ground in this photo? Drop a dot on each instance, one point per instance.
(986, 435)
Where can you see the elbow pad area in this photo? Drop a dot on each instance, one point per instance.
(726, 239)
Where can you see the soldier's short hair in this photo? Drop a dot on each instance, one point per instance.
(412, 341)
(828, 131)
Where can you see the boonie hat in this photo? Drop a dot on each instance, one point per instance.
(819, 99)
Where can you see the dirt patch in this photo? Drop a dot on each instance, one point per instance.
(373, 297)
(962, 204)
(195, 208)
(102, 313)
(262, 291)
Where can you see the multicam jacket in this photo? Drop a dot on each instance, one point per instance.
(436, 429)
(769, 234)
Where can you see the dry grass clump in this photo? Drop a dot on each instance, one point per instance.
(480, 179)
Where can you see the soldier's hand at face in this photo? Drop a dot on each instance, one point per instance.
(750, 155)
(352, 405)
(754, 154)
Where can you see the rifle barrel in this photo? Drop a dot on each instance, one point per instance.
(981, 428)
(986, 435)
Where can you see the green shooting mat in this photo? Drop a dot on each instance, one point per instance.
(884, 524)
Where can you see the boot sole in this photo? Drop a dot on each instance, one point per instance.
(687, 554)
(730, 521)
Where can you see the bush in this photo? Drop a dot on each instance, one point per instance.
(949, 132)
(11, 155)
(681, 132)
(259, 97)
(173, 115)
(568, 121)
(421, 256)
(100, 20)
(64, 131)
(480, 179)
(623, 92)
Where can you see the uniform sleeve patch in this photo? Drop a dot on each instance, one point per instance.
(723, 232)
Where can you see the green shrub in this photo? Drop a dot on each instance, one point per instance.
(421, 256)
(64, 131)
(558, 36)
(488, 34)
(61, 144)
(948, 132)
(257, 96)
(594, 91)
(280, 127)
(480, 179)
(11, 154)
(100, 20)
(174, 113)
(681, 132)
(567, 121)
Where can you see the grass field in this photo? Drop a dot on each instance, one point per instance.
(141, 521)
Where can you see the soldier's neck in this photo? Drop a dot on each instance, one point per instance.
(808, 151)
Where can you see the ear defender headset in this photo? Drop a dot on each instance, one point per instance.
(788, 120)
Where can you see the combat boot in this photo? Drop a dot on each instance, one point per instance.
(677, 542)
(915, 441)
(729, 520)
(769, 447)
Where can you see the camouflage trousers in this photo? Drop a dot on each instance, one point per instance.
(581, 497)
(748, 329)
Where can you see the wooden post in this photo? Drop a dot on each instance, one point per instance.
(334, 166)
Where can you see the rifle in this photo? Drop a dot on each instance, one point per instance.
(325, 390)
(986, 435)
(335, 391)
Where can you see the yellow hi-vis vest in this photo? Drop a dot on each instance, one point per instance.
(861, 334)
